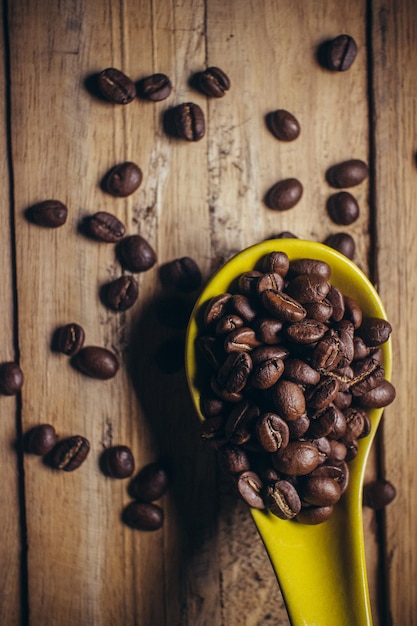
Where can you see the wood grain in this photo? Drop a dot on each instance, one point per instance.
(207, 565)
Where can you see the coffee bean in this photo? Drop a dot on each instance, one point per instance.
(155, 87)
(341, 53)
(343, 243)
(374, 331)
(307, 331)
(182, 273)
(284, 195)
(150, 483)
(40, 439)
(283, 125)
(347, 173)
(115, 86)
(377, 494)
(272, 432)
(214, 82)
(189, 121)
(242, 339)
(123, 179)
(234, 372)
(136, 254)
(117, 462)
(289, 400)
(106, 227)
(143, 516)
(283, 306)
(97, 362)
(11, 378)
(121, 293)
(343, 208)
(70, 339)
(250, 488)
(380, 396)
(300, 372)
(308, 288)
(267, 373)
(309, 266)
(70, 453)
(315, 514)
(276, 262)
(298, 458)
(234, 459)
(282, 499)
(48, 213)
(227, 323)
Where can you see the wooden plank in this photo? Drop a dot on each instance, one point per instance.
(394, 45)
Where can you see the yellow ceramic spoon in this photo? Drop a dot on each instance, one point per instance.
(320, 568)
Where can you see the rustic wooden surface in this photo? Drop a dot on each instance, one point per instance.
(65, 556)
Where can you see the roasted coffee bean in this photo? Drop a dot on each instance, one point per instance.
(270, 280)
(355, 423)
(143, 516)
(315, 514)
(299, 427)
(284, 195)
(272, 432)
(277, 263)
(115, 86)
(121, 293)
(123, 179)
(283, 125)
(353, 312)
(322, 394)
(241, 340)
(374, 331)
(136, 254)
(380, 396)
(343, 208)
(289, 399)
(336, 299)
(222, 393)
(212, 431)
(49, 213)
(308, 288)
(377, 494)
(216, 307)
(367, 374)
(300, 372)
(319, 311)
(214, 82)
(240, 422)
(341, 53)
(248, 281)
(320, 491)
(322, 421)
(347, 173)
(343, 243)
(327, 353)
(306, 332)
(227, 323)
(282, 306)
(309, 266)
(266, 374)
(40, 439)
(70, 453)
(234, 372)
(298, 458)
(106, 227)
(97, 362)
(250, 488)
(264, 353)
(211, 406)
(234, 459)
(189, 121)
(117, 462)
(11, 378)
(151, 482)
(244, 307)
(211, 349)
(337, 452)
(155, 87)
(282, 499)
(182, 273)
(268, 329)
(70, 339)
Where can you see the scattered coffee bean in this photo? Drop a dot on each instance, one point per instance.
(155, 87)
(70, 339)
(283, 125)
(115, 86)
(214, 82)
(11, 378)
(347, 173)
(343, 208)
(341, 53)
(150, 483)
(121, 293)
(284, 195)
(117, 462)
(377, 494)
(69, 453)
(106, 227)
(343, 243)
(123, 179)
(48, 213)
(143, 516)
(189, 121)
(97, 362)
(136, 254)
(182, 273)
(40, 439)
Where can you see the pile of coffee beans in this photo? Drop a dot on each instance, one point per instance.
(293, 367)
(148, 485)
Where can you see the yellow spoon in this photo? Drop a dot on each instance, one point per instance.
(321, 569)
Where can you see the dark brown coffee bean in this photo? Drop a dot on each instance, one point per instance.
(234, 459)
(250, 488)
(315, 514)
(309, 266)
(11, 378)
(336, 299)
(71, 339)
(150, 483)
(49, 213)
(341, 53)
(306, 332)
(156, 87)
(227, 323)
(343, 243)
(214, 82)
(121, 293)
(268, 329)
(117, 462)
(267, 373)
(377, 494)
(323, 421)
(320, 491)
(40, 440)
(282, 306)
(234, 372)
(374, 331)
(244, 307)
(70, 453)
(380, 396)
(136, 254)
(216, 307)
(343, 208)
(240, 422)
(270, 280)
(322, 394)
(300, 372)
(115, 86)
(241, 340)
(264, 353)
(282, 499)
(277, 263)
(319, 311)
(338, 451)
(272, 432)
(106, 227)
(222, 393)
(182, 273)
(189, 121)
(123, 179)
(308, 288)
(248, 281)
(283, 125)
(353, 312)
(210, 405)
(367, 374)
(97, 362)
(299, 427)
(212, 431)
(298, 458)
(289, 400)
(143, 516)
(284, 195)
(347, 174)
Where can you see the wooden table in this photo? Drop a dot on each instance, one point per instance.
(65, 556)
